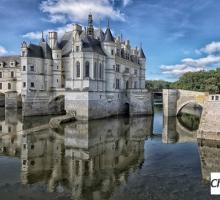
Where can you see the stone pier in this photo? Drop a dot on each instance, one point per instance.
(11, 100)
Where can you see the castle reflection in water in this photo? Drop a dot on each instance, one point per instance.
(89, 160)
(93, 157)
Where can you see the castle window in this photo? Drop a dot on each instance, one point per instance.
(24, 68)
(77, 48)
(77, 69)
(100, 70)
(117, 83)
(57, 81)
(126, 70)
(87, 69)
(32, 84)
(0, 127)
(135, 72)
(9, 129)
(12, 74)
(57, 67)
(127, 85)
(117, 68)
(32, 68)
(9, 86)
(23, 53)
(135, 85)
(0, 74)
(95, 71)
(24, 84)
(112, 52)
(0, 86)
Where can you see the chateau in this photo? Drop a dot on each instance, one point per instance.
(87, 71)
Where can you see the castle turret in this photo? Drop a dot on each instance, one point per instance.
(142, 62)
(24, 49)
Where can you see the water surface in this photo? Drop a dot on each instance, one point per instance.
(114, 158)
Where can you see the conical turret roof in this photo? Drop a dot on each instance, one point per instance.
(108, 36)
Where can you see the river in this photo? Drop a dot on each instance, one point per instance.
(144, 158)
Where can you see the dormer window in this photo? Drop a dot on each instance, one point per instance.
(23, 53)
(12, 63)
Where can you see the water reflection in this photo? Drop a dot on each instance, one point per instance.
(209, 151)
(87, 160)
(93, 160)
(180, 129)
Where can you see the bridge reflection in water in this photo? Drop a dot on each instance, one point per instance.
(85, 159)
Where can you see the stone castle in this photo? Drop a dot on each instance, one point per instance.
(87, 71)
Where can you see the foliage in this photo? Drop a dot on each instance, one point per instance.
(203, 81)
(157, 85)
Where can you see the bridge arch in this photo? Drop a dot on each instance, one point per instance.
(182, 105)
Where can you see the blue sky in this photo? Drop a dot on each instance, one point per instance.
(177, 35)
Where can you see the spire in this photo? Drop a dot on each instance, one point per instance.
(141, 52)
(108, 24)
(108, 34)
(90, 29)
(42, 37)
(100, 27)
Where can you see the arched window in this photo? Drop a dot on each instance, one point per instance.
(127, 84)
(77, 69)
(87, 69)
(100, 70)
(9, 86)
(95, 71)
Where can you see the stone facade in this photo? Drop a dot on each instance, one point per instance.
(86, 71)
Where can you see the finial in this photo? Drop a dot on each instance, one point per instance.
(108, 23)
(100, 23)
(140, 45)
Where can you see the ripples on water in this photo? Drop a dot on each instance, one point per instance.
(115, 158)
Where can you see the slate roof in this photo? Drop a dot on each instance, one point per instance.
(108, 36)
(7, 59)
(89, 44)
(141, 53)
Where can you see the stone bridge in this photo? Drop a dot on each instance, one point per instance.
(174, 100)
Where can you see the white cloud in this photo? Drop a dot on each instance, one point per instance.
(37, 35)
(126, 2)
(75, 10)
(190, 65)
(3, 51)
(211, 48)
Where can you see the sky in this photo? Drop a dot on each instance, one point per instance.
(177, 36)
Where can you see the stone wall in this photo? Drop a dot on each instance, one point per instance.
(94, 105)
